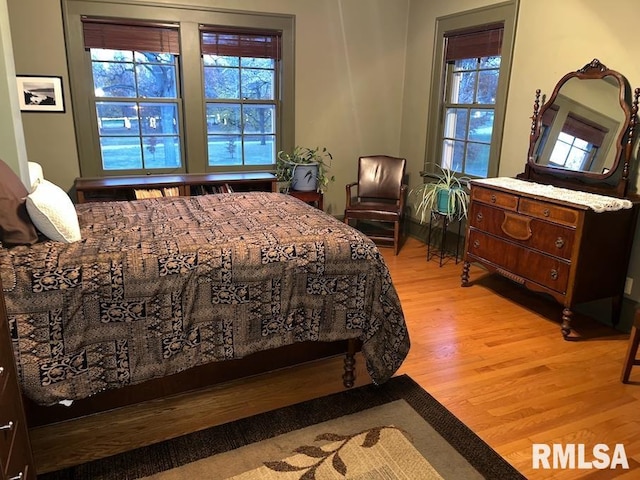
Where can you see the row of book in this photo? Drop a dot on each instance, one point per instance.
(205, 189)
(156, 192)
(141, 193)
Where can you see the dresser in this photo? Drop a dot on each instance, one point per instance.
(16, 461)
(567, 250)
(565, 226)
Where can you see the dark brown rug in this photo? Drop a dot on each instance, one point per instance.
(396, 430)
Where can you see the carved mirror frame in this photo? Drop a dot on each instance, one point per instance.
(613, 181)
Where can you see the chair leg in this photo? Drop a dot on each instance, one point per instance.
(632, 350)
(396, 237)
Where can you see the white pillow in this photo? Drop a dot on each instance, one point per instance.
(36, 174)
(53, 213)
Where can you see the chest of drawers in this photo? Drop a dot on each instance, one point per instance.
(566, 250)
(16, 462)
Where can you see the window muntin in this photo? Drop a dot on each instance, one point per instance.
(469, 112)
(135, 133)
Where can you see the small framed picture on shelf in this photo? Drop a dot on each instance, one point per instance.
(40, 94)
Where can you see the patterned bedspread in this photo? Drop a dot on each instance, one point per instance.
(161, 285)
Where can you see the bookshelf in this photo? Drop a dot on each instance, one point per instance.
(109, 189)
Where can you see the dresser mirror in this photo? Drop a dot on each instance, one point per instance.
(581, 137)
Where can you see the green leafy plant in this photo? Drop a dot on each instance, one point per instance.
(448, 194)
(286, 163)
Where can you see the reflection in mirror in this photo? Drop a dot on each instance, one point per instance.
(583, 135)
(578, 130)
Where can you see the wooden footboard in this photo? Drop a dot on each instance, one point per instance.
(197, 378)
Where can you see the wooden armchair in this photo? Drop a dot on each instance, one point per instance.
(379, 200)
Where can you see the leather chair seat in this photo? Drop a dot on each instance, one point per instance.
(372, 210)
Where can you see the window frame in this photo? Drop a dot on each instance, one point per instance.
(448, 104)
(194, 131)
(505, 13)
(248, 44)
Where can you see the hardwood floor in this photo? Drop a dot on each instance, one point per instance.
(492, 353)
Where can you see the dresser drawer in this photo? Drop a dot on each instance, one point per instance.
(9, 415)
(549, 211)
(527, 231)
(494, 197)
(521, 261)
(19, 463)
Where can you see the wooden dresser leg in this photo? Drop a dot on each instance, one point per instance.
(349, 375)
(465, 274)
(566, 322)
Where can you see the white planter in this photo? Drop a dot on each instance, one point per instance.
(305, 177)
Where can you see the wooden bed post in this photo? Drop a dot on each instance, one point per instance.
(349, 376)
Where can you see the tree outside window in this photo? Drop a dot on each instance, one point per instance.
(137, 109)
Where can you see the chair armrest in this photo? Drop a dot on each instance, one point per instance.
(348, 191)
(403, 194)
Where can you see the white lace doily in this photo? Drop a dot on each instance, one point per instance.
(598, 203)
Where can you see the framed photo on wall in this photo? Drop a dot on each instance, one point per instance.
(40, 94)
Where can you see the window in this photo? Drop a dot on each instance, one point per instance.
(469, 111)
(240, 85)
(578, 144)
(469, 87)
(135, 82)
(206, 91)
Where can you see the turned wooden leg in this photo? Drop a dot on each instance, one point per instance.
(349, 375)
(566, 322)
(465, 274)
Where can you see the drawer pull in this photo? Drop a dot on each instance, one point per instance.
(546, 212)
(8, 427)
(1, 370)
(20, 476)
(493, 199)
(559, 242)
(476, 244)
(479, 216)
(554, 274)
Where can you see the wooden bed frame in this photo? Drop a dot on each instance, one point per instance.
(198, 377)
(191, 379)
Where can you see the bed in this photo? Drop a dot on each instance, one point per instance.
(161, 286)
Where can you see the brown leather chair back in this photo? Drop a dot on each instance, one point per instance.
(380, 176)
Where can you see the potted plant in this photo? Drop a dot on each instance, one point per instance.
(447, 195)
(304, 169)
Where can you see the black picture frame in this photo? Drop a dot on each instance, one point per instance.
(40, 93)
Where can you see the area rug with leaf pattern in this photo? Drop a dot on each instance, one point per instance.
(391, 431)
